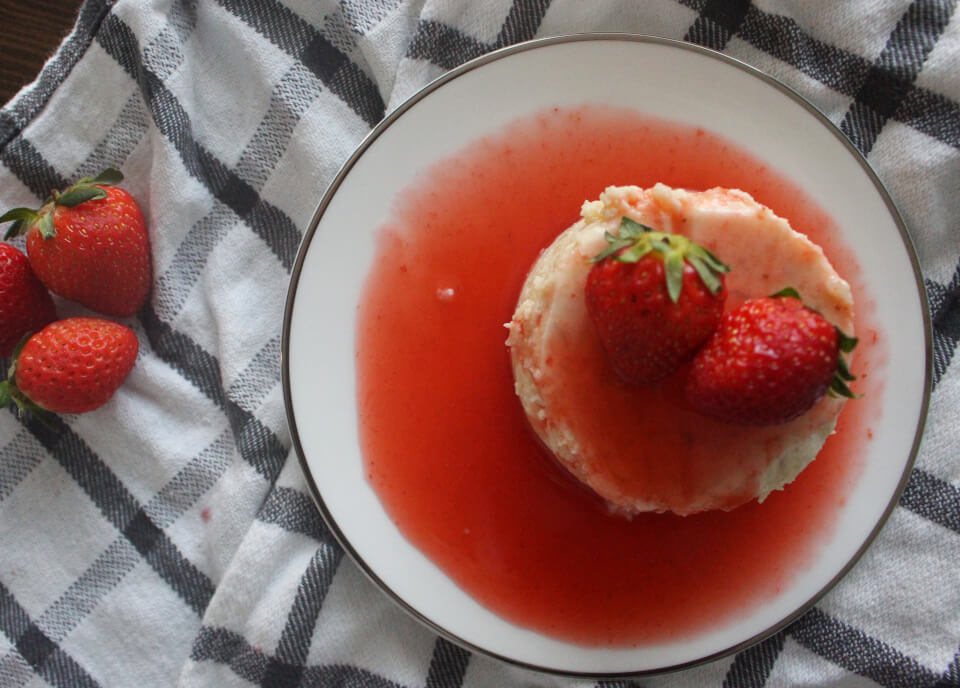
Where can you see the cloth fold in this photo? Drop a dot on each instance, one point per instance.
(169, 538)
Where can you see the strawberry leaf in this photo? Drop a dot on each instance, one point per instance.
(842, 375)
(46, 418)
(634, 253)
(661, 244)
(631, 228)
(847, 343)
(839, 388)
(711, 260)
(710, 279)
(708, 266)
(19, 214)
(843, 371)
(110, 176)
(80, 194)
(26, 408)
(788, 292)
(5, 396)
(614, 244)
(45, 226)
(22, 218)
(673, 266)
(16, 229)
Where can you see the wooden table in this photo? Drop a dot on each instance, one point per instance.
(32, 30)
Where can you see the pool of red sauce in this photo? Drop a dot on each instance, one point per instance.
(445, 442)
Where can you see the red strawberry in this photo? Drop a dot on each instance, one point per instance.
(89, 244)
(654, 298)
(769, 362)
(25, 304)
(71, 366)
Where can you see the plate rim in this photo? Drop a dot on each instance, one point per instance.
(534, 44)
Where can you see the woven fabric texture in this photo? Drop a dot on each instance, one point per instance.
(169, 538)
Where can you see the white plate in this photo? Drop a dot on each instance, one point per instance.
(662, 78)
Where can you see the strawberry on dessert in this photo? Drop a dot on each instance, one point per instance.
(648, 430)
(769, 361)
(654, 300)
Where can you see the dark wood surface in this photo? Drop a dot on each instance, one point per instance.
(30, 33)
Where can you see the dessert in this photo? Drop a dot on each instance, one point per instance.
(448, 448)
(646, 449)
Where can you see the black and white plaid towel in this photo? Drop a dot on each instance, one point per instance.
(169, 538)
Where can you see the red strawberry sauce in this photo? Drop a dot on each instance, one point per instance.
(446, 444)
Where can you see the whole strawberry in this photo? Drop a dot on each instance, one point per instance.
(71, 366)
(89, 244)
(25, 304)
(654, 299)
(769, 362)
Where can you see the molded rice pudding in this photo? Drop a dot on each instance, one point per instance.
(567, 387)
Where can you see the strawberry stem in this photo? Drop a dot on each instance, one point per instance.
(634, 240)
(78, 194)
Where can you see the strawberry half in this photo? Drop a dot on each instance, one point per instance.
(769, 362)
(89, 244)
(25, 304)
(654, 299)
(70, 366)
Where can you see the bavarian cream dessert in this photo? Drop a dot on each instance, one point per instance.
(644, 449)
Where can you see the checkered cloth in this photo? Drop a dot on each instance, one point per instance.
(169, 538)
